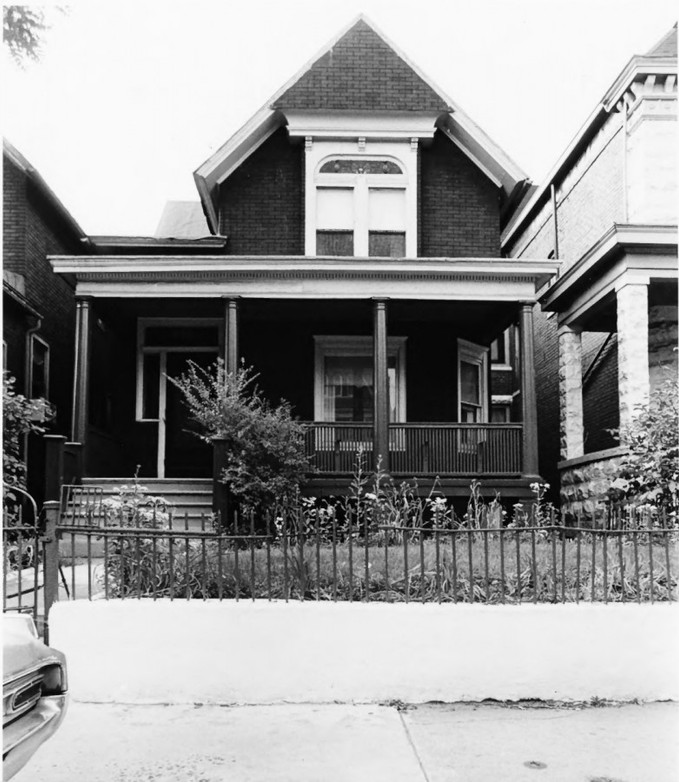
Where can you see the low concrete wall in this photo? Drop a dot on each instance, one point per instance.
(212, 652)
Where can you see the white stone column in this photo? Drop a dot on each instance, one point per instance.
(633, 374)
(570, 393)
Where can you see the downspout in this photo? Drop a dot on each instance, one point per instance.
(625, 207)
(556, 221)
(28, 378)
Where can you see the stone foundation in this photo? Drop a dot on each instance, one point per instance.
(585, 481)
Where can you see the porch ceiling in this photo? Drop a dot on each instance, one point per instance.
(297, 277)
(480, 321)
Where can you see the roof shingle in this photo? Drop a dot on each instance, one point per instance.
(361, 72)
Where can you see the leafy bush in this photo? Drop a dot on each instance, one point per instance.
(20, 416)
(649, 474)
(132, 506)
(265, 448)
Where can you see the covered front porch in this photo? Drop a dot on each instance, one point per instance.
(398, 360)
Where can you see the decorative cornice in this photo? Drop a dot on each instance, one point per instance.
(477, 279)
(360, 126)
(639, 70)
(300, 266)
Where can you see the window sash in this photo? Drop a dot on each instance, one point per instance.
(386, 244)
(344, 371)
(337, 243)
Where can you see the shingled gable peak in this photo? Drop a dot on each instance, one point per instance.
(361, 71)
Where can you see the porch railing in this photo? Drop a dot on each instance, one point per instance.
(422, 448)
(332, 447)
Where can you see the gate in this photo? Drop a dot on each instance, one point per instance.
(23, 557)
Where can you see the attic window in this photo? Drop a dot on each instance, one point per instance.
(360, 207)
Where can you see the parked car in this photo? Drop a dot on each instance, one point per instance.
(34, 692)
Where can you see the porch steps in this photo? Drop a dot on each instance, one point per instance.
(189, 497)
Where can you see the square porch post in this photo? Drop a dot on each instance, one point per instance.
(81, 381)
(528, 399)
(570, 393)
(381, 385)
(633, 368)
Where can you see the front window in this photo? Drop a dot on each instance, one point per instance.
(344, 379)
(39, 368)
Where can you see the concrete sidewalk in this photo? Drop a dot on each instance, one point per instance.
(345, 743)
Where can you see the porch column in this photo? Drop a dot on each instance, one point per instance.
(633, 371)
(222, 500)
(81, 380)
(381, 385)
(231, 334)
(528, 401)
(570, 393)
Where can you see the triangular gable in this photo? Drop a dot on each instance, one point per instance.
(361, 72)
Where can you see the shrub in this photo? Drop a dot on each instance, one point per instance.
(265, 448)
(649, 474)
(20, 416)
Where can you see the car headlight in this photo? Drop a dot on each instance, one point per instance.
(54, 680)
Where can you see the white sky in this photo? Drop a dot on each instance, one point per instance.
(129, 98)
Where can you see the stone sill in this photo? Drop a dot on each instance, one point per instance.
(588, 458)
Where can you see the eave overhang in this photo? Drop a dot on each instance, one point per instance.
(34, 176)
(21, 300)
(295, 277)
(644, 251)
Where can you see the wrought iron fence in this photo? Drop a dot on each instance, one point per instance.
(22, 545)
(298, 554)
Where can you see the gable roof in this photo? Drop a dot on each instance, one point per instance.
(182, 220)
(666, 46)
(360, 70)
(33, 175)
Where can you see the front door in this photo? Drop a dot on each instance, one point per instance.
(186, 455)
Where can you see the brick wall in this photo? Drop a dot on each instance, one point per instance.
(589, 201)
(458, 206)
(13, 219)
(36, 231)
(262, 203)
(662, 342)
(599, 391)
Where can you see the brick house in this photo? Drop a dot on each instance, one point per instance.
(355, 261)
(608, 212)
(38, 306)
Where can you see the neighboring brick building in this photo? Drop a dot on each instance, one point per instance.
(359, 272)
(608, 211)
(38, 305)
